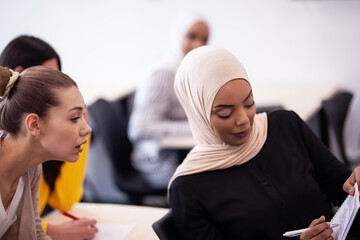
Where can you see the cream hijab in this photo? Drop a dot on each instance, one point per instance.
(173, 52)
(200, 76)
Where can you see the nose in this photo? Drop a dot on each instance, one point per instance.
(241, 118)
(86, 129)
(198, 43)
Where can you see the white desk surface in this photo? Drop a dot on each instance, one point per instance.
(304, 99)
(91, 94)
(186, 142)
(142, 217)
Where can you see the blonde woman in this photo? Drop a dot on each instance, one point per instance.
(42, 117)
(61, 183)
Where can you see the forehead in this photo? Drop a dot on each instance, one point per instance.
(51, 63)
(200, 27)
(69, 98)
(234, 90)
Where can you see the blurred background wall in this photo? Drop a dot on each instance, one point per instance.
(107, 45)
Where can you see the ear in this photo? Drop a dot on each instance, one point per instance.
(32, 124)
(19, 69)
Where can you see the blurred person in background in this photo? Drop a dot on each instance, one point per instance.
(157, 112)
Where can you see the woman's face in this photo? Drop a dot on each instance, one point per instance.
(196, 36)
(64, 129)
(54, 64)
(233, 112)
(51, 63)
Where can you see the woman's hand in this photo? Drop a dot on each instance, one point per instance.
(318, 229)
(350, 182)
(73, 230)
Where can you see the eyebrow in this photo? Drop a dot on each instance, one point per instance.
(248, 96)
(77, 108)
(225, 106)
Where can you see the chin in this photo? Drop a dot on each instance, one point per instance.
(237, 142)
(72, 159)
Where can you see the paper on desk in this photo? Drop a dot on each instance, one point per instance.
(113, 231)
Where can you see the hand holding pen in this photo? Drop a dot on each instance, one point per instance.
(66, 214)
(301, 231)
(78, 229)
(318, 229)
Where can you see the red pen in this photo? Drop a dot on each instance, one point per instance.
(70, 215)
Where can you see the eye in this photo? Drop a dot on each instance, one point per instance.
(250, 105)
(223, 117)
(74, 119)
(224, 114)
(191, 36)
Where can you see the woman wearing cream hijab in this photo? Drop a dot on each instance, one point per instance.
(251, 176)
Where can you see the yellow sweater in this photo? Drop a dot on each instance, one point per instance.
(68, 187)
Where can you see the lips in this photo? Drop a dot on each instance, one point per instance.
(242, 134)
(79, 147)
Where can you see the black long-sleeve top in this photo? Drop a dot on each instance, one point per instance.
(289, 183)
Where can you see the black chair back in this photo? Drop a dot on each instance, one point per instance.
(110, 124)
(165, 228)
(335, 110)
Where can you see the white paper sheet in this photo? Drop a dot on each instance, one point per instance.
(113, 231)
(345, 215)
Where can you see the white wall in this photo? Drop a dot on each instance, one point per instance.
(106, 45)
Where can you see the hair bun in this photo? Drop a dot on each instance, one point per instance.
(7, 80)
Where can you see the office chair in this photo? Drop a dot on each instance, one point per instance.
(126, 104)
(334, 114)
(110, 125)
(268, 109)
(165, 227)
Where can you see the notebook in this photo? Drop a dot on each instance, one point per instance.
(348, 217)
